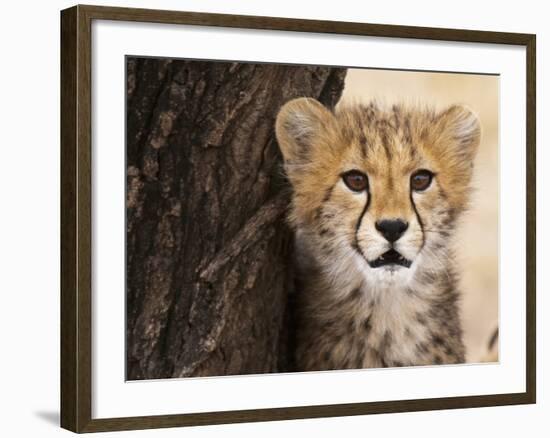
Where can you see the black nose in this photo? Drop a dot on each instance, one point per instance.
(391, 229)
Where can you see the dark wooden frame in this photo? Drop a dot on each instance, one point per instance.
(76, 168)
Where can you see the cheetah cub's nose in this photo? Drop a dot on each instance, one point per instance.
(391, 229)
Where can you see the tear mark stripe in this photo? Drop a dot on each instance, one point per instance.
(358, 225)
(419, 219)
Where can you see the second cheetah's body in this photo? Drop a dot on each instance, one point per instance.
(376, 194)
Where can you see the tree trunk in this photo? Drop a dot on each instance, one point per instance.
(209, 269)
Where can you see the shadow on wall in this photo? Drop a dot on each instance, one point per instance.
(50, 417)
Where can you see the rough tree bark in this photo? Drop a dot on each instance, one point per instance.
(208, 272)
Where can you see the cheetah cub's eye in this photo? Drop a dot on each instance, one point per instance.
(356, 181)
(421, 180)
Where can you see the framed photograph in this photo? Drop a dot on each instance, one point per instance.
(268, 218)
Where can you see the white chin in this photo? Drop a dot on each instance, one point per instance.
(393, 268)
(391, 275)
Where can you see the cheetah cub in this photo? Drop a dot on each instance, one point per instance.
(376, 195)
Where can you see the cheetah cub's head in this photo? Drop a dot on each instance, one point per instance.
(377, 189)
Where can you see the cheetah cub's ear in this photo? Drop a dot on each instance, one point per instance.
(299, 125)
(459, 134)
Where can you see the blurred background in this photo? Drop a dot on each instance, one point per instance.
(476, 241)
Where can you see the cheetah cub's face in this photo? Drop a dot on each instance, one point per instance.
(377, 190)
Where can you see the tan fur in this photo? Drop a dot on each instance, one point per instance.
(351, 315)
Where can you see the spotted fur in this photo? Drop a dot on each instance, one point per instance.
(351, 315)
